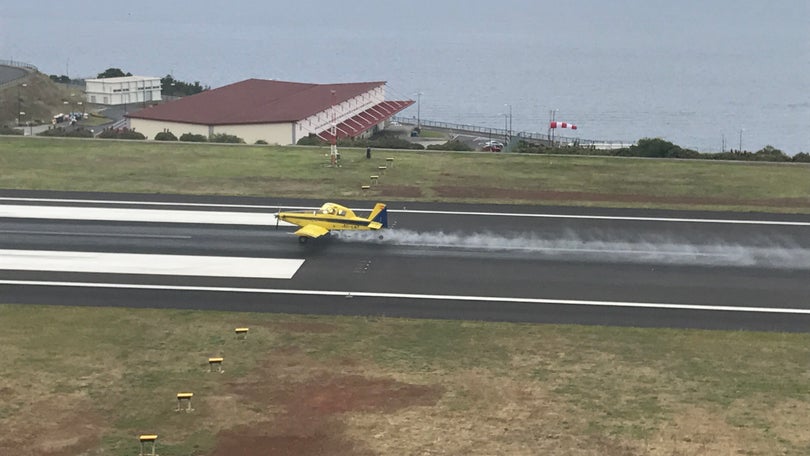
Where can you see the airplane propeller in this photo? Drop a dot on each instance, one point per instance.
(277, 214)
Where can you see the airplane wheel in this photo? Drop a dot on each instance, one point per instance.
(302, 239)
(381, 237)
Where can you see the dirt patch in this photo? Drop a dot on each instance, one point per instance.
(312, 400)
(331, 395)
(60, 425)
(278, 438)
(405, 191)
(528, 195)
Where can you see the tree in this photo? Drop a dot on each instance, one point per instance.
(62, 78)
(659, 148)
(802, 157)
(173, 87)
(113, 73)
(770, 153)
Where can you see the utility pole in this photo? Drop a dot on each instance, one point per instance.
(333, 153)
(418, 110)
(552, 117)
(509, 126)
(741, 132)
(19, 102)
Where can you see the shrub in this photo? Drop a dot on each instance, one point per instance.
(730, 155)
(770, 153)
(120, 133)
(61, 132)
(6, 130)
(659, 148)
(165, 136)
(189, 137)
(108, 133)
(311, 140)
(226, 138)
(260, 142)
(451, 145)
(79, 133)
(802, 157)
(130, 134)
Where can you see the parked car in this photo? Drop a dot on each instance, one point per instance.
(493, 146)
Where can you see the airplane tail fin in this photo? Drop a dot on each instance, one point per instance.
(379, 214)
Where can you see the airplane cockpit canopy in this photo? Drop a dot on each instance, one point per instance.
(335, 209)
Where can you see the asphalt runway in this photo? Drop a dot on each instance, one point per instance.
(501, 263)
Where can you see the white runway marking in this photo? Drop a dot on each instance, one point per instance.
(139, 215)
(262, 218)
(365, 294)
(134, 263)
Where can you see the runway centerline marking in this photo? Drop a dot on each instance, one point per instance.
(266, 218)
(434, 297)
(136, 263)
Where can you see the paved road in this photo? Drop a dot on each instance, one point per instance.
(563, 265)
(10, 73)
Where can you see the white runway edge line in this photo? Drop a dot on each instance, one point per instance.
(262, 218)
(365, 294)
(135, 263)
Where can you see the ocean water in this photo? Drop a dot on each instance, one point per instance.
(704, 75)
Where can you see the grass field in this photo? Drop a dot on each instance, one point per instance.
(150, 167)
(88, 381)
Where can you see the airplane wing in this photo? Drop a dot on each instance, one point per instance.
(312, 231)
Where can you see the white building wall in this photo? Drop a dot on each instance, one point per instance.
(280, 133)
(150, 128)
(277, 133)
(124, 90)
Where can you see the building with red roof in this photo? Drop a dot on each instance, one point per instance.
(278, 112)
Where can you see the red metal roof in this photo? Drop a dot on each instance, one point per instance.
(255, 101)
(361, 122)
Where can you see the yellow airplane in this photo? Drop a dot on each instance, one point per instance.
(333, 217)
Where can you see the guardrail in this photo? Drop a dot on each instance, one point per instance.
(123, 123)
(18, 64)
(501, 133)
(22, 65)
